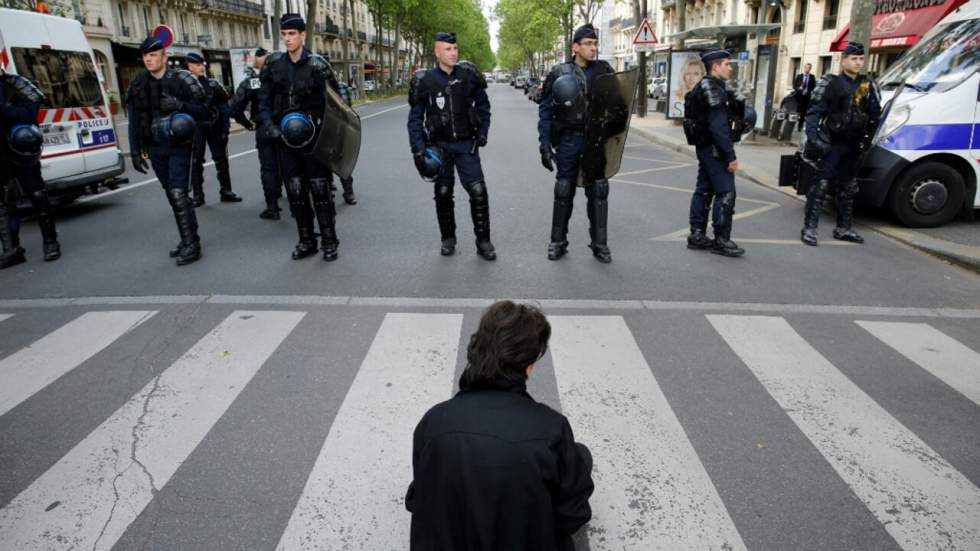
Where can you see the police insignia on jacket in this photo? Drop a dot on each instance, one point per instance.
(254, 83)
(440, 101)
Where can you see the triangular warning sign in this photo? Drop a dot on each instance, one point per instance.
(645, 34)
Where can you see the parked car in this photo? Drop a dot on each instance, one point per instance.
(370, 85)
(657, 88)
(535, 93)
(530, 85)
(519, 81)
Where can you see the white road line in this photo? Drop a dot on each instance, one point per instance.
(949, 360)
(5, 316)
(354, 497)
(646, 170)
(128, 187)
(651, 489)
(30, 369)
(920, 499)
(89, 498)
(372, 115)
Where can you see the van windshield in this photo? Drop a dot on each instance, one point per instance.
(942, 60)
(67, 78)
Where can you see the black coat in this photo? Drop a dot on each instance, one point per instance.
(495, 470)
(798, 85)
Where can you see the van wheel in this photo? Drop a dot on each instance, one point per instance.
(927, 195)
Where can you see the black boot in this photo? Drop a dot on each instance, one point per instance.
(326, 216)
(299, 205)
(480, 211)
(812, 211)
(598, 210)
(224, 182)
(45, 219)
(190, 244)
(349, 197)
(697, 239)
(845, 213)
(560, 214)
(272, 210)
(446, 215)
(723, 243)
(12, 253)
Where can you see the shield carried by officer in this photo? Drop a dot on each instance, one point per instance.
(610, 105)
(339, 142)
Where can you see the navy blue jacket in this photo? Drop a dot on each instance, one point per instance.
(416, 116)
(546, 107)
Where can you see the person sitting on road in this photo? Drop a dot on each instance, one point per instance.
(493, 469)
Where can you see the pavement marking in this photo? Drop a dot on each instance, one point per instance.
(354, 496)
(658, 169)
(5, 316)
(921, 500)
(651, 489)
(30, 369)
(435, 302)
(89, 498)
(383, 111)
(635, 158)
(128, 187)
(687, 190)
(948, 359)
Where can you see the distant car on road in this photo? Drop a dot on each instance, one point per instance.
(519, 81)
(530, 85)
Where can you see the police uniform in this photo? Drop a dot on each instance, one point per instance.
(247, 97)
(709, 118)
(160, 130)
(452, 112)
(562, 118)
(290, 89)
(20, 158)
(842, 117)
(344, 91)
(213, 135)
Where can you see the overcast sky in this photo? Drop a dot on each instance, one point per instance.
(488, 6)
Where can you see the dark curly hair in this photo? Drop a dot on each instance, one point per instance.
(510, 338)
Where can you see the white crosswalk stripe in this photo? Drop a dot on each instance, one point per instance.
(32, 368)
(923, 502)
(651, 490)
(93, 493)
(943, 356)
(354, 497)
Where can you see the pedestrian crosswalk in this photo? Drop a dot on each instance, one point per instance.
(655, 488)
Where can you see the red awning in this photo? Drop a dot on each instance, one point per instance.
(900, 28)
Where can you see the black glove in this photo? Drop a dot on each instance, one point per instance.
(139, 163)
(481, 141)
(547, 158)
(169, 104)
(250, 126)
(273, 132)
(419, 161)
(815, 149)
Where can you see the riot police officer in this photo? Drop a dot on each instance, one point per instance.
(292, 100)
(164, 107)
(708, 125)
(247, 97)
(562, 119)
(20, 149)
(450, 110)
(347, 183)
(213, 135)
(842, 117)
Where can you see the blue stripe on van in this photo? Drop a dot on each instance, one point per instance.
(930, 137)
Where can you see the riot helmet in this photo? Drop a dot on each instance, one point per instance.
(25, 141)
(176, 128)
(297, 130)
(431, 163)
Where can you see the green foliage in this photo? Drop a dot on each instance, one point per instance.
(527, 28)
(462, 17)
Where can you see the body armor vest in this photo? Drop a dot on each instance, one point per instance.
(847, 118)
(145, 93)
(304, 92)
(450, 113)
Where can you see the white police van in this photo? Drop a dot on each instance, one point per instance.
(926, 164)
(80, 144)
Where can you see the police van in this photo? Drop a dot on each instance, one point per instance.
(925, 165)
(80, 140)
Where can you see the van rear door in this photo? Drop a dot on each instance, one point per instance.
(975, 144)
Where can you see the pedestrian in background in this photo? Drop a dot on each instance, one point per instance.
(493, 469)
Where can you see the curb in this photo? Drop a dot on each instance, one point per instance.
(961, 255)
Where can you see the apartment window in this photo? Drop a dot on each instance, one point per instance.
(265, 28)
(146, 20)
(830, 16)
(800, 23)
(796, 62)
(123, 21)
(826, 63)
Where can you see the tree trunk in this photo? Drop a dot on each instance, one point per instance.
(344, 46)
(379, 80)
(395, 52)
(359, 66)
(311, 24)
(861, 13)
(277, 15)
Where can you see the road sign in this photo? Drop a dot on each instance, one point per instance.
(743, 56)
(645, 34)
(644, 47)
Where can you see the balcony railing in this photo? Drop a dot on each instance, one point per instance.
(242, 7)
(361, 35)
(327, 28)
(830, 22)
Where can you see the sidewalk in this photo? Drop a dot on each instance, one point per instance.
(758, 161)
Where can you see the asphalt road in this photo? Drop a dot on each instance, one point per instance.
(797, 398)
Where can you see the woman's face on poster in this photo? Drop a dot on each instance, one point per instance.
(692, 74)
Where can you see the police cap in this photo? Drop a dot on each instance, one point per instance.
(714, 54)
(292, 21)
(446, 37)
(854, 48)
(195, 57)
(151, 44)
(583, 32)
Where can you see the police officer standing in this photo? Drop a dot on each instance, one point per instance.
(344, 91)
(247, 97)
(451, 111)
(213, 134)
(708, 121)
(562, 118)
(20, 149)
(164, 105)
(842, 117)
(292, 100)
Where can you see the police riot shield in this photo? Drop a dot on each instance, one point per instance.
(610, 105)
(339, 141)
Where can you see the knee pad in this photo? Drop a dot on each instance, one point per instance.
(320, 187)
(478, 190)
(601, 190)
(820, 188)
(564, 189)
(848, 189)
(294, 186)
(443, 191)
(727, 201)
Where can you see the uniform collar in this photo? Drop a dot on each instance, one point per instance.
(438, 68)
(303, 57)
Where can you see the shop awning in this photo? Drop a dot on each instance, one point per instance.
(899, 28)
